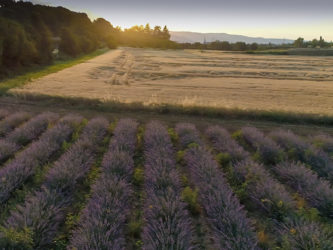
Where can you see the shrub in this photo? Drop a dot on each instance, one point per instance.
(12, 121)
(44, 211)
(300, 150)
(190, 196)
(167, 224)
(24, 134)
(302, 234)
(316, 191)
(223, 143)
(102, 222)
(267, 150)
(264, 191)
(323, 141)
(25, 164)
(230, 228)
(188, 133)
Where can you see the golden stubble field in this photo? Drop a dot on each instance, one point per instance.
(197, 78)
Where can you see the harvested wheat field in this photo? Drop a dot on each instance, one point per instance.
(197, 78)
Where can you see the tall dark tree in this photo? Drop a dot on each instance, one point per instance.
(299, 42)
(157, 31)
(321, 42)
(147, 29)
(166, 34)
(69, 43)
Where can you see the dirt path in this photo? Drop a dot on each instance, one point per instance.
(288, 83)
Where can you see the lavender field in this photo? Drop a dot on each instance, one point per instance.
(67, 182)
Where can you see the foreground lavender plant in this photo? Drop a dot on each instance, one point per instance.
(271, 197)
(3, 113)
(227, 218)
(76, 162)
(303, 234)
(44, 210)
(167, 222)
(24, 134)
(102, 221)
(40, 215)
(32, 129)
(222, 142)
(263, 190)
(188, 134)
(266, 149)
(7, 149)
(323, 141)
(300, 150)
(24, 165)
(11, 121)
(260, 186)
(316, 191)
(231, 229)
(124, 134)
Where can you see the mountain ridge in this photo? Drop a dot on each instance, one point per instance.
(192, 37)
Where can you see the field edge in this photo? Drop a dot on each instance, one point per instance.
(172, 109)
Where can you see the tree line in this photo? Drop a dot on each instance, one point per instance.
(34, 34)
(242, 46)
(227, 46)
(145, 36)
(321, 43)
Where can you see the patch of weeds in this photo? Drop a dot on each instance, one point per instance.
(190, 196)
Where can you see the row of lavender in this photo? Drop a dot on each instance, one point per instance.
(102, 221)
(167, 224)
(44, 210)
(24, 134)
(9, 122)
(230, 227)
(270, 197)
(304, 179)
(25, 164)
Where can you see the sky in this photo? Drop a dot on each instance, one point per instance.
(259, 18)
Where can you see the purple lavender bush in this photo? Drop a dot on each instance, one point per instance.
(323, 141)
(24, 134)
(263, 190)
(23, 166)
(32, 129)
(45, 210)
(303, 234)
(231, 229)
(188, 133)
(222, 142)
(7, 149)
(266, 149)
(102, 221)
(167, 224)
(76, 162)
(299, 150)
(3, 113)
(41, 213)
(316, 191)
(12, 121)
(124, 136)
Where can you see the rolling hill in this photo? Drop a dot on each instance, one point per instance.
(192, 37)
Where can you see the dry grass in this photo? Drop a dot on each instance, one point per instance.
(194, 78)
